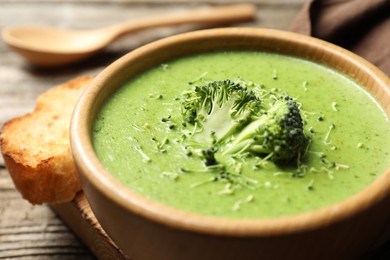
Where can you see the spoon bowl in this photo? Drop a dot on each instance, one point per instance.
(46, 46)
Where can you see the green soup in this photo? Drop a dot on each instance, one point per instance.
(138, 137)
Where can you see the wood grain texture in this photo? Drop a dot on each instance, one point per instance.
(33, 232)
(79, 217)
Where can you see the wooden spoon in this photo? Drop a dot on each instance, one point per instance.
(45, 46)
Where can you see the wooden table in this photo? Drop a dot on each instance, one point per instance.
(35, 232)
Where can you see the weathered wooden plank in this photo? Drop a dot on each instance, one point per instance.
(147, 2)
(73, 15)
(33, 231)
(78, 215)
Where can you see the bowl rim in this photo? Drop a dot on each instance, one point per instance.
(93, 172)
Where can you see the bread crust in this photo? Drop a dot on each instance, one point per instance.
(36, 146)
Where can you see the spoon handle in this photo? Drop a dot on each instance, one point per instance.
(216, 15)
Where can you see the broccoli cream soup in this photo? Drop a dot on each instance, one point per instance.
(243, 135)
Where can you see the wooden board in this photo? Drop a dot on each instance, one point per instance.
(78, 215)
(34, 231)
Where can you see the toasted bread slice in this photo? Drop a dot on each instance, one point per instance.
(36, 146)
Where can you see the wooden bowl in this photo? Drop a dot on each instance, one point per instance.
(144, 229)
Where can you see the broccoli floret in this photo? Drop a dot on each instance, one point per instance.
(278, 132)
(257, 122)
(232, 121)
(219, 108)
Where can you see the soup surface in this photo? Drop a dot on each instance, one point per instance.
(138, 137)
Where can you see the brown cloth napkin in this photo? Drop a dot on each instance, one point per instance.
(362, 26)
